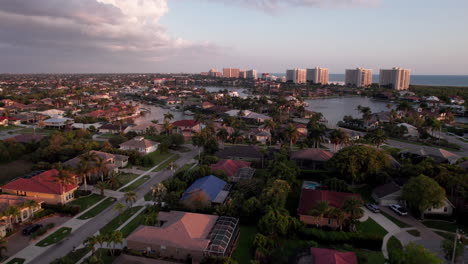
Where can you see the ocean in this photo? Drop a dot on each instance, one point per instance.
(435, 80)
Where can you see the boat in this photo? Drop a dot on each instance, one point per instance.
(188, 112)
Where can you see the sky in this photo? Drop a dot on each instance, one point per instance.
(107, 36)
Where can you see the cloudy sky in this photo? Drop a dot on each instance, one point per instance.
(47, 36)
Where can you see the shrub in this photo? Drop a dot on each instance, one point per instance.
(42, 230)
(359, 240)
(43, 213)
(63, 209)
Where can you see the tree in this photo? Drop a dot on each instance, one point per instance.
(167, 126)
(113, 181)
(31, 204)
(315, 132)
(320, 210)
(3, 247)
(275, 222)
(157, 192)
(275, 195)
(357, 163)
(222, 135)
(353, 208)
(338, 137)
(120, 207)
(291, 134)
(413, 254)
(448, 246)
(115, 237)
(377, 137)
(423, 193)
(130, 197)
(168, 116)
(101, 186)
(63, 178)
(91, 243)
(365, 111)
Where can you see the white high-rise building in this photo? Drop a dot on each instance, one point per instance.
(318, 75)
(396, 78)
(358, 77)
(214, 73)
(231, 73)
(252, 74)
(296, 75)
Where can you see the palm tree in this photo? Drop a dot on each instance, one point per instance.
(115, 237)
(222, 135)
(271, 125)
(83, 169)
(292, 134)
(155, 121)
(31, 204)
(100, 166)
(338, 137)
(168, 116)
(365, 111)
(63, 178)
(338, 215)
(12, 213)
(91, 243)
(236, 135)
(130, 197)
(101, 186)
(404, 106)
(120, 207)
(320, 210)
(113, 181)
(101, 239)
(158, 191)
(353, 207)
(377, 137)
(167, 126)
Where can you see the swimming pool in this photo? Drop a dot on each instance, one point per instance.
(311, 185)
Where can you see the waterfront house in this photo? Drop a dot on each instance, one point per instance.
(186, 237)
(205, 191)
(113, 129)
(146, 128)
(186, 127)
(43, 186)
(311, 197)
(140, 144)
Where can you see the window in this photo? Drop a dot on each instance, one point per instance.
(445, 209)
(163, 247)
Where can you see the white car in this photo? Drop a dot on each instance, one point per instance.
(398, 209)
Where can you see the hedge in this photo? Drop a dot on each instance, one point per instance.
(63, 209)
(358, 240)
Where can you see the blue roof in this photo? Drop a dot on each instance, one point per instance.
(211, 185)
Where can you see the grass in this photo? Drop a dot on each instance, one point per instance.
(371, 227)
(166, 164)
(157, 157)
(125, 178)
(14, 169)
(16, 261)
(39, 131)
(244, 251)
(414, 232)
(97, 209)
(134, 224)
(445, 235)
(87, 201)
(10, 127)
(55, 237)
(148, 196)
(75, 256)
(104, 255)
(444, 225)
(394, 220)
(393, 244)
(372, 257)
(136, 183)
(119, 220)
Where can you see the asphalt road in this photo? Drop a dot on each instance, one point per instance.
(92, 226)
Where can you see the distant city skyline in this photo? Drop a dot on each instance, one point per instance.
(170, 36)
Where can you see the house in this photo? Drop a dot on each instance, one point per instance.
(329, 256)
(412, 130)
(445, 209)
(205, 191)
(387, 194)
(58, 122)
(113, 129)
(261, 136)
(113, 161)
(26, 212)
(249, 153)
(140, 144)
(248, 115)
(311, 197)
(186, 127)
(311, 158)
(5, 121)
(145, 128)
(235, 170)
(438, 155)
(43, 186)
(186, 237)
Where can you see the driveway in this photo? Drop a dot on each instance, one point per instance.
(17, 241)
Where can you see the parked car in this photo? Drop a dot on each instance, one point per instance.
(398, 209)
(373, 207)
(31, 229)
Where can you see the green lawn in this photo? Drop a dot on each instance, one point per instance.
(104, 256)
(119, 220)
(449, 236)
(394, 220)
(87, 201)
(10, 127)
(55, 237)
(244, 250)
(97, 209)
(414, 232)
(75, 256)
(132, 225)
(125, 178)
(16, 261)
(148, 196)
(136, 183)
(157, 157)
(373, 257)
(393, 244)
(371, 227)
(444, 225)
(165, 164)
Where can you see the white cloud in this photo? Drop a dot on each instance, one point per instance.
(275, 5)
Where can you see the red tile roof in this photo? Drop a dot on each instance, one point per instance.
(309, 198)
(45, 182)
(185, 123)
(230, 167)
(331, 256)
